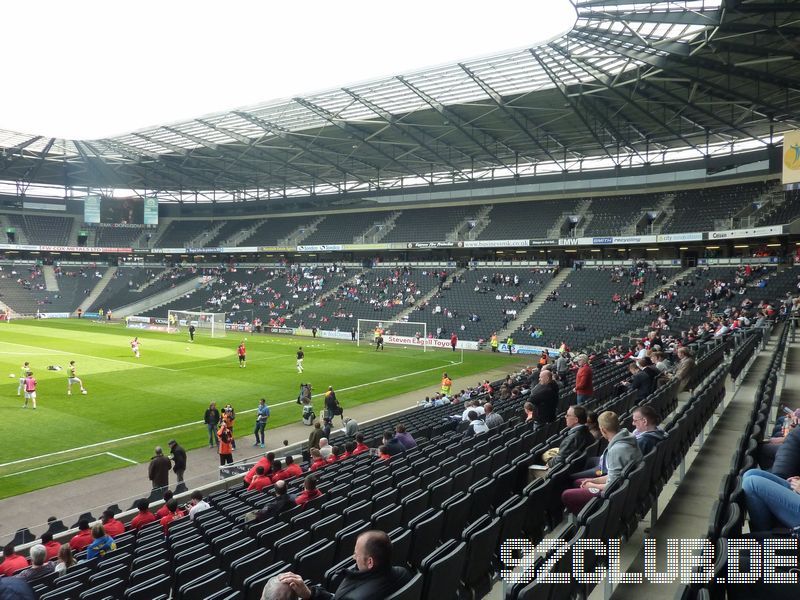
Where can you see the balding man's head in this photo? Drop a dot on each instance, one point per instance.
(545, 376)
(275, 590)
(373, 551)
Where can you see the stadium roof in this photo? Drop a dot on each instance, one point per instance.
(630, 83)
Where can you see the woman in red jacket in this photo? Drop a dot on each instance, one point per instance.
(583, 380)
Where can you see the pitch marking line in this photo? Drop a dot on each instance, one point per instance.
(64, 353)
(72, 460)
(194, 423)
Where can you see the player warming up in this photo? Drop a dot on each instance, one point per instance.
(24, 371)
(135, 346)
(379, 342)
(30, 390)
(73, 378)
(242, 355)
(191, 333)
(300, 357)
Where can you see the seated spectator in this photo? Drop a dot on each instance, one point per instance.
(350, 427)
(310, 491)
(283, 501)
(348, 450)
(265, 461)
(113, 527)
(39, 565)
(316, 460)
(591, 423)
(530, 416)
(83, 538)
(787, 458)
(102, 543)
(578, 438)
(50, 545)
(162, 512)
(374, 577)
(474, 406)
(277, 590)
(259, 481)
(622, 450)
(393, 445)
(491, 418)
(404, 437)
(476, 425)
(325, 448)
(15, 588)
(360, 445)
(197, 504)
(144, 517)
(66, 559)
(647, 433)
(173, 512)
(12, 562)
(383, 453)
(334, 455)
(289, 471)
(772, 500)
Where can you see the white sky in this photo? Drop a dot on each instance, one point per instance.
(86, 69)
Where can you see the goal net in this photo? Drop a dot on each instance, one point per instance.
(205, 323)
(404, 333)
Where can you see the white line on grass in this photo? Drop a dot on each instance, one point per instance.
(193, 423)
(64, 462)
(64, 353)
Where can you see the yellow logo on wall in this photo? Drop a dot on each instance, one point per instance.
(791, 157)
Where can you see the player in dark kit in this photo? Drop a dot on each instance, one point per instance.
(242, 355)
(191, 333)
(379, 343)
(300, 357)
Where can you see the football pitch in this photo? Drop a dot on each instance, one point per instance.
(134, 404)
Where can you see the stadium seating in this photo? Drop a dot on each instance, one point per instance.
(696, 210)
(180, 232)
(41, 229)
(523, 220)
(274, 230)
(428, 224)
(345, 228)
(610, 216)
(117, 237)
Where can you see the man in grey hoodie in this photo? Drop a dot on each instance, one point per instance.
(622, 450)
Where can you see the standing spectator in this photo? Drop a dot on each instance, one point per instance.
(211, 419)
(310, 491)
(491, 418)
(453, 341)
(39, 565)
(544, 397)
(262, 415)
(229, 418)
(510, 344)
(144, 517)
(225, 444)
(332, 406)
(102, 544)
(83, 538)
(12, 562)
(158, 470)
(562, 365)
(350, 427)
(178, 459)
(113, 527)
(583, 380)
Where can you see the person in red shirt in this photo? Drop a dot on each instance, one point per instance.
(113, 527)
(289, 471)
(453, 341)
(242, 355)
(225, 445)
(52, 547)
(259, 481)
(316, 460)
(265, 461)
(310, 491)
(12, 562)
(162, 512)
(83, 538)
(348, 450)
(360, 445)
(383, 453)
(173, 512)
(144, 517)
(583, 380)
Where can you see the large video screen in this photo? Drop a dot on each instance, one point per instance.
(127, 211)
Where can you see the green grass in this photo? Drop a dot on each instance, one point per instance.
(170, 386)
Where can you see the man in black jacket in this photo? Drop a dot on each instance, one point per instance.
(577, 439)
(374, 578)
(544, 398)
(283, 501)
(178, 460)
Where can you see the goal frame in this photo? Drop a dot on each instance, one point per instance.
(386, 324)
(217, 321)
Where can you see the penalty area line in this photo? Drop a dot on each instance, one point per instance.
(194, 423)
